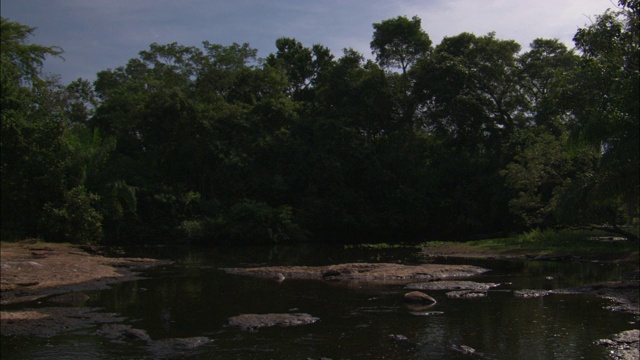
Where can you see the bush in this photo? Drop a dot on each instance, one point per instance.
(251, 221)
(75, 220)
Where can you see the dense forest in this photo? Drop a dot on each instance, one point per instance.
(471, 137)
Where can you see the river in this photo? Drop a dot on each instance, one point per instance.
(194, 298)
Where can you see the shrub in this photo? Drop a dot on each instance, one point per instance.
(75, 220)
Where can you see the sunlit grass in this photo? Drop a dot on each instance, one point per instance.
(381, 246)
(560, 242)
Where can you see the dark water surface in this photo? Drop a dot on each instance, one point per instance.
(194, 298)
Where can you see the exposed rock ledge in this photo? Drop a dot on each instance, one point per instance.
(452, 285)
(252, 322)
(362, 271)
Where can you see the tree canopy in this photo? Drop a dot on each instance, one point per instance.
(399, 42)
(475, 137)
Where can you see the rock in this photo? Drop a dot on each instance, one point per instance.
(526, 293)
(554, 257)
(624, 345)
(114, 332)
(52, 321)
(363, 271)
(629, 336)
(138, 334)
(466, 294)
(451, 285)
(398, 337)
(178, 344)
(252, 322)
(426, 313)
(625, 294)
(418, 297)
(331, 273)
(70, 298)
(464, 349)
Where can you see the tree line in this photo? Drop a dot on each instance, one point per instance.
(211, 144)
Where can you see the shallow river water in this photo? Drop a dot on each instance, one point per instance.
(357, 320)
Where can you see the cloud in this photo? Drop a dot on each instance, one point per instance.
(101, 34)
(522, 20)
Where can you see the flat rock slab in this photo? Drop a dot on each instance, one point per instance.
(624, 345)
(451, 285)
(51, 321)
(252, 322)
(363, 271)
(528, 293)
(467, 294)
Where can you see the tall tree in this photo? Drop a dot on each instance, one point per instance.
(470, 104)
(399, 42)
(305, 67)
(25, 57)
(33, 153)
(607, 107)
(545, 81)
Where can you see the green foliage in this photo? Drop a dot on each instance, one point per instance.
(73, 220)
(32, 152)
(541, 174)
(608, 112)
(211, 144)
(26, 58)
(399, 42)
(251, 221)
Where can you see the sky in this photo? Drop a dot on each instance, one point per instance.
(104, 34)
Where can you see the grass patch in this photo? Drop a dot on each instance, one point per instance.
(381, 246)
(558, 242)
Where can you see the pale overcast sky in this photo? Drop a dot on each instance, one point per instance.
(101, 34)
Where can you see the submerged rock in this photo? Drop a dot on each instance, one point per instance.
(451, 285)
(70, 298)
(363, 271)
(178, 344)
(426, 313)
(138, 334)
(398, 337)
(463, 349)
(163, 348)
(252, 322)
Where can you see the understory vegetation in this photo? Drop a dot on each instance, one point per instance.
(473, 137)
